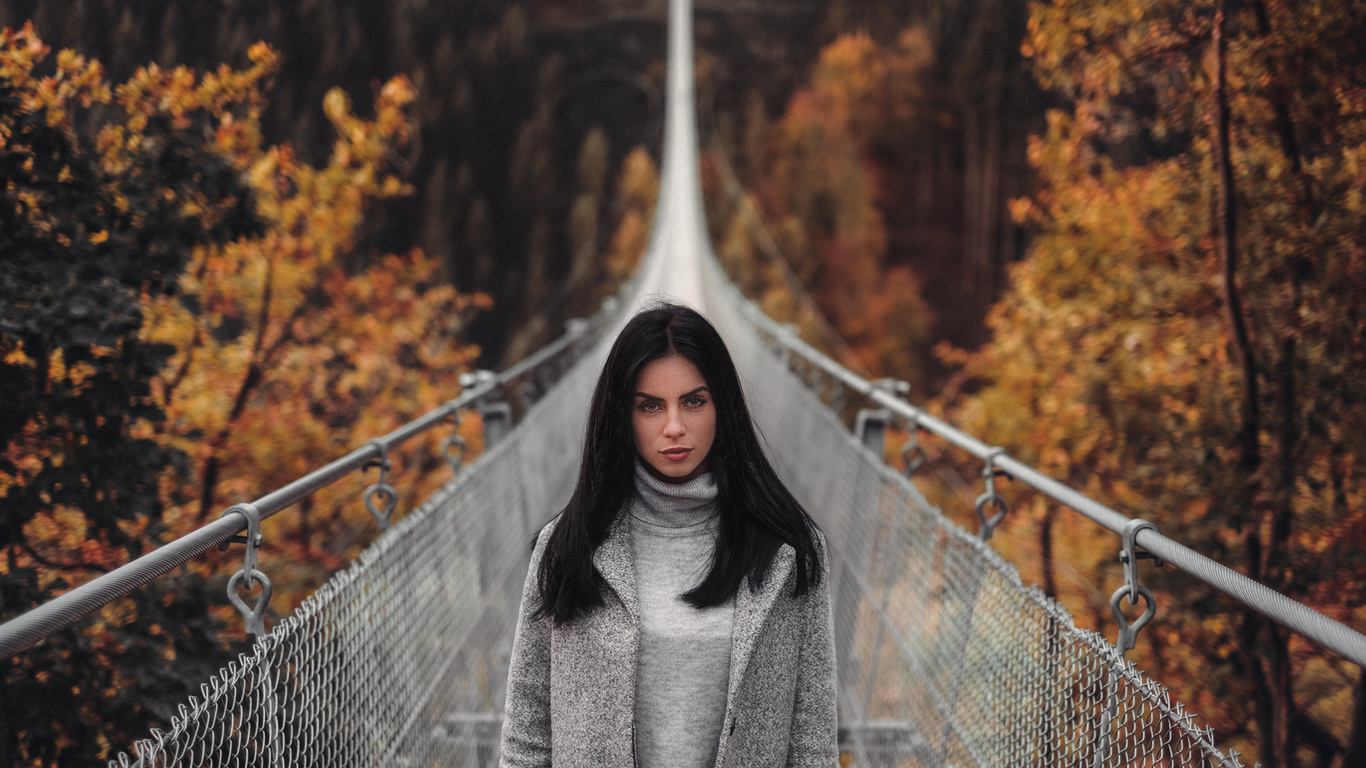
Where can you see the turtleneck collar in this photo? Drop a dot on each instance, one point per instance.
(674, 506)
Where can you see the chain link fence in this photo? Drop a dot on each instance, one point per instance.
(401, 658)
(945, 657)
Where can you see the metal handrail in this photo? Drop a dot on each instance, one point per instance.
(64, 610)
(1261, 598)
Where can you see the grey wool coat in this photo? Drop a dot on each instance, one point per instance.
(571, 689)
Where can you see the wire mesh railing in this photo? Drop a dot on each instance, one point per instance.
(401, 658)
(945, 656)
(1142, 537)
(523, 383)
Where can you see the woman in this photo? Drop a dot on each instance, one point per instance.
(677, 612)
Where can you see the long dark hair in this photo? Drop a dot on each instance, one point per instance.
(757, 513)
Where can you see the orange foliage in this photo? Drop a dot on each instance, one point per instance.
(822, 183)
(318, 359)
(1112, 360)
(284, 358)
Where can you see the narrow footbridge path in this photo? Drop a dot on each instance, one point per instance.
(945, 657)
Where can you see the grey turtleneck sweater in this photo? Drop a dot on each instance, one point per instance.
(683, 662)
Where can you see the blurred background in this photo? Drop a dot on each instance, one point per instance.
(1126, 241)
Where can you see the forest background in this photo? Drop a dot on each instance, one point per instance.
(1122, 240)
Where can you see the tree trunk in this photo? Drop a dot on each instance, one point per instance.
(306, 523)
(1356, 742)
(1226, 235)
(1264, 650)
(972, 175)
(1050, 586)
(255, 371)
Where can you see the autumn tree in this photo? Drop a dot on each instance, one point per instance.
(822, 197)
(1183, 338)
(89, 227)
(479, 65)
(187, 324)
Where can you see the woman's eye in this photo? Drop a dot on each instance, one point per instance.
(696, 401)
(649, 406)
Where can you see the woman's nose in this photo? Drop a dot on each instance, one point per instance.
(673, 424)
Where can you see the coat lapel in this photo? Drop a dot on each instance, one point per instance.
(751, 611)
(617, 565)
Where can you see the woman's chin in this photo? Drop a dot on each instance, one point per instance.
(676, 472)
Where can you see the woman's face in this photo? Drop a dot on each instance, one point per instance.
(673, 419)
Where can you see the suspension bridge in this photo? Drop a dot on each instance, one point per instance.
(945, 657)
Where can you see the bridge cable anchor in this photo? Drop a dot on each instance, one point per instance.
(454, 447)
(1129, 555)
(990, 498)
(901, 388)
(912, 455)
(381, 488)
(1127, 633)
(253, 616)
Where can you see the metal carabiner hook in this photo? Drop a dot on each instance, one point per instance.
(990, 497)
(252, 539)
(255, 615)
(381, 488)
(1129, 555)
(911, 448)
(1128, 633)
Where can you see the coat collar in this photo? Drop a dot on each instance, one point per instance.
(616, 563)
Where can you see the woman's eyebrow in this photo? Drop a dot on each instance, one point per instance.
(703, 388)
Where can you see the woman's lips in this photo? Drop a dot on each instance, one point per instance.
(676, 454)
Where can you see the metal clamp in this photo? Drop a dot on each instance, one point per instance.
(870, 430)
(891, 386)
(990, 498)
(577, 326)
(1129, 555)
(381, 487)
(477, 378)
(254, 616)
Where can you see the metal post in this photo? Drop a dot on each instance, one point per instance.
(870, 428)
(497, 417)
